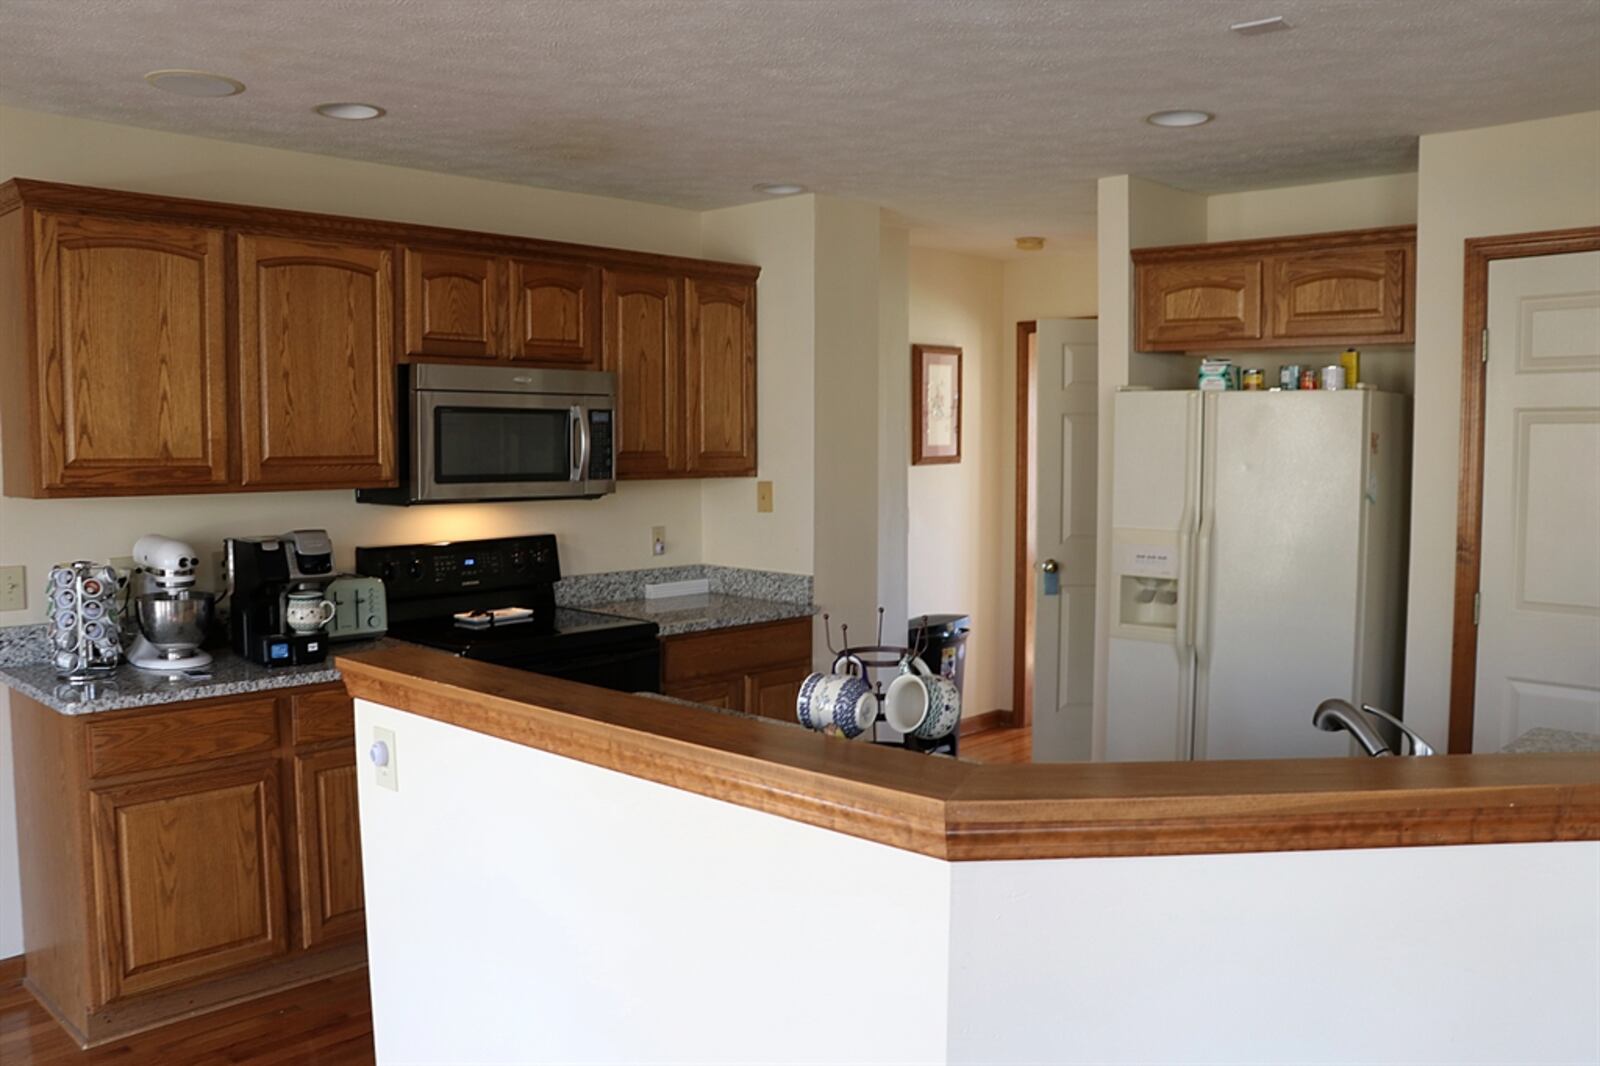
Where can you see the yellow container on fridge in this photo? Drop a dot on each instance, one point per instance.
(1351, 361)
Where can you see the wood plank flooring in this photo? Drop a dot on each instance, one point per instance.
(326, 1023)
(999, 746)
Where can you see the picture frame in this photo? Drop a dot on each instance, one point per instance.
(935, 404)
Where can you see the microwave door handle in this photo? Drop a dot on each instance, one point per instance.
(580, 443)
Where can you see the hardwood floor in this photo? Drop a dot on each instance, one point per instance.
(326, 1023)
(999, 746)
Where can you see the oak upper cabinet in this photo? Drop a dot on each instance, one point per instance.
(454, 303)
(328, 834)
(124, 388)
(720, 377)
(1292, 292)
(190, 877)
(1357, 293)
(554, 314)
(643, 345)
(1184, 304)
(315, 362)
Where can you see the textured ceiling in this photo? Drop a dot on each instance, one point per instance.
(973, 119)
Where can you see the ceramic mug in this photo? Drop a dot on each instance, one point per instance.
(905, 705)
(944, 703)
(839, 700)
(306, 611)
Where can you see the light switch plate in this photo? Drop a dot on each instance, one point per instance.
(385, 759)
(13, 588)
(763, 497)
(658, 540)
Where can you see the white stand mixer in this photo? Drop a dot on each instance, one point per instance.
(172, 615)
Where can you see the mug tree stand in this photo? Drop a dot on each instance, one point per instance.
(864, 661)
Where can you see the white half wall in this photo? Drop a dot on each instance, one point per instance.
(527, 908)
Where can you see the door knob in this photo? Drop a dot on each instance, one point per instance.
(1050, 566)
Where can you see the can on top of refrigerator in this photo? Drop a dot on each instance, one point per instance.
(1333, 377)
(1308, 377)
(1289, 376)
(1254, 379)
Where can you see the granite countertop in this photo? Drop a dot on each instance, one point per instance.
(1553, 740)
(675, 615)
(130, 687)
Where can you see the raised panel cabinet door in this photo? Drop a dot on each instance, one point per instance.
(720, 378)
(328, 835)
(316, 358)
(555, 313)
(133, 365)
(725, 692)
(1355, 294)
(454, 304)
(190, 874)
(644, 347)
(772, 693)
(1198, 302)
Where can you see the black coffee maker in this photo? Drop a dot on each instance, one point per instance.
(261, 573)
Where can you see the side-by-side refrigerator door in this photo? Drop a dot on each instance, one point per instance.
(1155, 513)
(1278, 548)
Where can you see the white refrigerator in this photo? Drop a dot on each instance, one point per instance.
(1258, 568)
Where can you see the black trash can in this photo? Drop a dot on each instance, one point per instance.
(943, 638)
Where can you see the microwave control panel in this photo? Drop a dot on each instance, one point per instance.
(600, 446)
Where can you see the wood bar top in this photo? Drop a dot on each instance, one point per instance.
(963, 811)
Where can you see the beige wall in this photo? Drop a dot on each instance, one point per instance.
(956, 550)
(1474, 183)
(780, 235)
(1358, 203)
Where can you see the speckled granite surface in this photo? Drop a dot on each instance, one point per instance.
(695, 614)
(1536, 741)
(587, 590)
(130, 687)
(24, 644)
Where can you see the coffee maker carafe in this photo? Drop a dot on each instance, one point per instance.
(277, 596)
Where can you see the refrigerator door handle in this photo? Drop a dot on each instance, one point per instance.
(1183, 636)
(1202, 625)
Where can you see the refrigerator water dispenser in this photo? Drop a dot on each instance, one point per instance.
(1146, 584)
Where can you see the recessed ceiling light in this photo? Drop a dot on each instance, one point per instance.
(194, 83)
(1030, 244)
(1267, 25)
(779, 188)
(351, 112)
(1179, 118)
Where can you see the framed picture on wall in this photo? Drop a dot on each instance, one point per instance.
(935, 404)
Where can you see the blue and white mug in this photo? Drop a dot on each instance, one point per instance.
(839, 700)
(944, 703)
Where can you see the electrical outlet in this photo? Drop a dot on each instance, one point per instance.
(658, 540)
(763, 497)
(385, 759)
(13, 588)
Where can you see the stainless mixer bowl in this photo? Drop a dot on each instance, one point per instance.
(175, 620)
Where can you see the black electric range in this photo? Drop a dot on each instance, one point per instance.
(428, 585)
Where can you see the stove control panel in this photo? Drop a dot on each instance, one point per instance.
(412, 571)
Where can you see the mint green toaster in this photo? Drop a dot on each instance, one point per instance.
(361, 609)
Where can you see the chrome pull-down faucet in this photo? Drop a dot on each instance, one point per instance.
(1336, 714)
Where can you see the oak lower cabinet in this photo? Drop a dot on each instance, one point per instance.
(1324, 289)
(121, 384)
(756, 668)
(316, 377)
(180, 857)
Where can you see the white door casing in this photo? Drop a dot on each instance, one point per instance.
(1539, 581)
(1067, 419)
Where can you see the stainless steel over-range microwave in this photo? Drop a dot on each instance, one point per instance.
(474, 433)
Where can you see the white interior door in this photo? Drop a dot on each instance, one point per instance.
(1065, 414)
(1539, 616)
